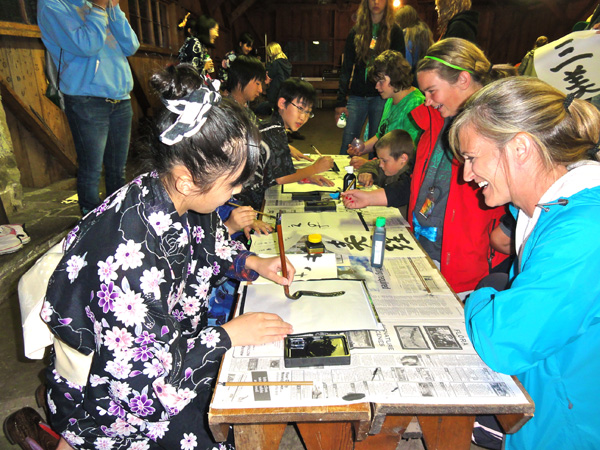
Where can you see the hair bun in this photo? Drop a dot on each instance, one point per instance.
(176, 81)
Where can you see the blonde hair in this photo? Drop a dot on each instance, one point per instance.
(274, 51)
(364, 30)
(447, 9)
(421, 38)
(564, 132)
(460, 55)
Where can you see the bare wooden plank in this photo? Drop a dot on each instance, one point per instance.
(21, 155)
(511, 423)
(241, 9)
(252, 437)
(323, 435)
(139, 93)
(19, 29)
(40, 166)
(388, 435)
(39, 129)
(447, 432)
(215, 7)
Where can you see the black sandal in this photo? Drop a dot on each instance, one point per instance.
(26, 429)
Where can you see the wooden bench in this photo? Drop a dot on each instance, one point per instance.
(326, 90)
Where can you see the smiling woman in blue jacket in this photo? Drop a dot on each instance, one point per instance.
(89, 43)
(523, 142)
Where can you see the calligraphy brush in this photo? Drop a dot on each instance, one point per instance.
(255, 211)
(286, 289)
(284, 273)
(335, 168)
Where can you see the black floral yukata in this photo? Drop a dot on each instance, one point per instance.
(275, 161)
(133, 288)
(194, 52)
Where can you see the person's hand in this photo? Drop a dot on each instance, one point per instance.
(240, 218)
(257, 329)
(357, 151)
(323, 164)
(596, 27)
(209, 66)
(366, 179)
(259, 227)
(355, 199)
(320, 180)
(357, 162)
(298, 155)
(269, 268)
(338, 112)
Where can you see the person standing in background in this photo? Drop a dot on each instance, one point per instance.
(374, 32)
(244, 47)
(417, 36)
(455, 19)
(279, 69)
(201, 34)
(90, 43)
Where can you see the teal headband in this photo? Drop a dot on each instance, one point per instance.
(448, 64)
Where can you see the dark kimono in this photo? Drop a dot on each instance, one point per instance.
(132, 288)
(194, 52)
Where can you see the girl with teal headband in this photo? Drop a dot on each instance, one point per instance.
(445, 212)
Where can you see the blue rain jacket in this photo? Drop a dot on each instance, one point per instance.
(95, 47)
(545, 328)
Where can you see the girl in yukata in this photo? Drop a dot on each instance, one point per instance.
(201, 35)
(134, 362)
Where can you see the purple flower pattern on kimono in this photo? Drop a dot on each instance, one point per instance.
(133, 288)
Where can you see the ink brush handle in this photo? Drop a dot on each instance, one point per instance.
(284, 272)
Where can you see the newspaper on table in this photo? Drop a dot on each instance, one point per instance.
(421, 356)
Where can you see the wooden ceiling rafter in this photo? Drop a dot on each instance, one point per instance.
(241, 9)
(554, 9)
(217, 4)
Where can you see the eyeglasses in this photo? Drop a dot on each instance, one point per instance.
(310, 114)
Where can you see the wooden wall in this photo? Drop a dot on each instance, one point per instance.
(22, 63)
(507, 30)
(22, 68)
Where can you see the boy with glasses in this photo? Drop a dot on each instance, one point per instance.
(294, 108)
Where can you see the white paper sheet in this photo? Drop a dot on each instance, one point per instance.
(308, 267)
(351, 311)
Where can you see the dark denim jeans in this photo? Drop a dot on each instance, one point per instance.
(359, 108)
(101, 133)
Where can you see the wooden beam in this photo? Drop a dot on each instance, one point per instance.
(241, 9)
(36, 126)
(140, 94)
(551, 5)
(19, 29)
(216, 5)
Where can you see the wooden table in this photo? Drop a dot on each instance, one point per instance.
(325, 427)
(326, 89)
(362, 426)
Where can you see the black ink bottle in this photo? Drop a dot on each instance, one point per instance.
(349, 179)
(314, 244)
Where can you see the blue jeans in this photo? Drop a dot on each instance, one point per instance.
(359, 108)
(101, 133)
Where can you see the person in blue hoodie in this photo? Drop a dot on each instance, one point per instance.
(527, 144)
(90, 43)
